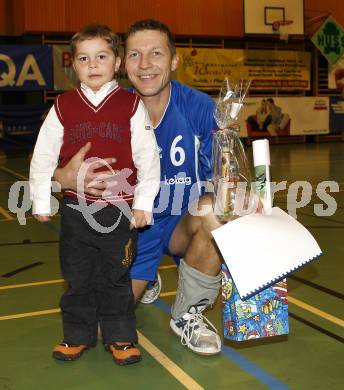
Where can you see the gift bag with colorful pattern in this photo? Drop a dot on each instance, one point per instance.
(263, 315)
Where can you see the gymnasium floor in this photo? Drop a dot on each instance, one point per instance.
(311, 357)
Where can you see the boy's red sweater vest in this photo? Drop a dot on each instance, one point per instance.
(106, 126)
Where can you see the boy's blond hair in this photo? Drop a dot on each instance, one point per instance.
(95, 30)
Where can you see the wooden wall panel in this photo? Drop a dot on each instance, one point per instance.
(192, 17)
(133, 10)
(185, 17)
(318, 7)
(43, 15)
(15, 11)
(216, 17)
(3, 12)
(316, 11)
(82, 12)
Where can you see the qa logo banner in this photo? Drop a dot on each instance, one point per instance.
(25, 68)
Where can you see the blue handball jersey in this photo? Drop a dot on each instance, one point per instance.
(184, 137)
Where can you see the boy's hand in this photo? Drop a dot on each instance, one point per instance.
(140, 219)
(42, 218)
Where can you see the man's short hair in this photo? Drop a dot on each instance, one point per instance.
(155, 25)
(95, 30)
(271, 100)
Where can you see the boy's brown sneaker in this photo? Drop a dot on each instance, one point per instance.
(68, 352)
(124, 353)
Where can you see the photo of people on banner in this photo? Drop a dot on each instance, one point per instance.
(269, 118)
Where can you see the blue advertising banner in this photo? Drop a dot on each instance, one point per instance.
(25, 68)
(336, 114)
(20, 119)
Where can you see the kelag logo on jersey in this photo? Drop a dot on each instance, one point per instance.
(25, 68)
(176, 179)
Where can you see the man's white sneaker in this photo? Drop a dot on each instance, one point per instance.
(152, 293)
(195, 332)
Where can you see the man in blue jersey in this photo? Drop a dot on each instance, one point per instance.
(183, 123)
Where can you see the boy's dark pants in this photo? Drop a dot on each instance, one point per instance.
(95, 266)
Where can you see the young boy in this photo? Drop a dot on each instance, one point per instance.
(96, 264)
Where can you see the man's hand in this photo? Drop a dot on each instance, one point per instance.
(42, 218)
(260, 207)
(140, 219)
(68, 175)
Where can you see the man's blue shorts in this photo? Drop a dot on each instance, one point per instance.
(153, 242)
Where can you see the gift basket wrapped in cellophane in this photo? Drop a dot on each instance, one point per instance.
(231, 173)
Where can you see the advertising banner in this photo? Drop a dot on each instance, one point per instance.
(64, 75)
(269, 69)
(329, 39)
(336, 114)
(25, 68)
(283, 116)
(20, 119)
(336, 75)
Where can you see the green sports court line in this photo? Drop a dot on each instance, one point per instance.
(316, 311)
(29, 314)
(226, 353)
(296, 302)
(46, 282)
(169, 365)
(317, 286)
(6, 214)
(255, 371)
(28, 242)
(249, 367)
(181, 376)
(21, 269)
(305, 306)
(323, 227)
(185, 379)
(13, 173)
(323, 218)
(317, 327)
(331, 221)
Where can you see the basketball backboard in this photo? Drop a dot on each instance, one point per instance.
(260, 16)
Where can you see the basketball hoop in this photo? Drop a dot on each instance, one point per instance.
(280, 27)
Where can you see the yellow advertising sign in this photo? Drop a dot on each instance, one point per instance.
(269, 69)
